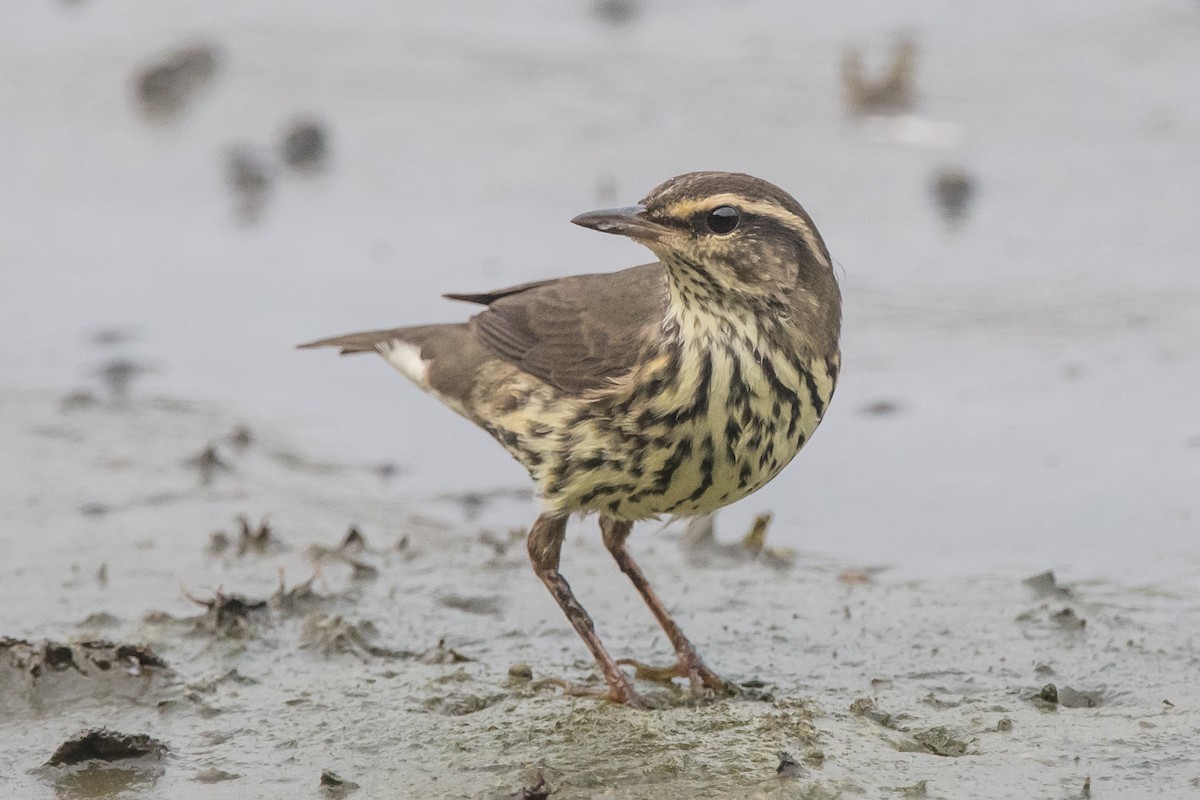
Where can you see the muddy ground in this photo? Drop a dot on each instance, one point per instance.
(416, 658)
(189, 189)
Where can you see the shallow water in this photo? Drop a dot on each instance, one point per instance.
(1039, 359)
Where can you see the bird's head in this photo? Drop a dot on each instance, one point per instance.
(727, 237)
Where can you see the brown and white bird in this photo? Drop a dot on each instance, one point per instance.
(671, 388)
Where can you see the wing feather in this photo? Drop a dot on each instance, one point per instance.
(575, 333)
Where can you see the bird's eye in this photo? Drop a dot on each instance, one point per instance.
(723, 219)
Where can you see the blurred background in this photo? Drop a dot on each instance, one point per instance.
(1009, 191)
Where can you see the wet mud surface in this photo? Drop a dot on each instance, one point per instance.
(263, 573)
(357, 638)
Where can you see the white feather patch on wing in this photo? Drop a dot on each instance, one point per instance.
(406, 357)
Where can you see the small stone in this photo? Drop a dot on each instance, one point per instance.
(788, 766)
(305, 145)
(214, 775)
(101, 744)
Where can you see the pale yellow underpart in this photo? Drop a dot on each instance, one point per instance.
(683, 209)
(526, 407)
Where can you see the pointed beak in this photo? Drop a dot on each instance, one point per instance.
(629, 221)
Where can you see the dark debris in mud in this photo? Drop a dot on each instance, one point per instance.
(938, 740)
(942, 742)
(305, 145)
(101, 744)
(167, 86)
(236, 616)
(1050, 697)
(230, 615)
(334, 785)
(537, 789)
(1064, 620)
(460, 705)
(210, 685)
(1045, 584)
(918, 790)
(349, 552)
(240, 438)
(701, 546)
(259, 539)
(865, 707)
(208, 463)
(441, 654)
(249, 174)
(952, 189)
(100, 655)
(330, 634)
(788, 767)
(298, 599)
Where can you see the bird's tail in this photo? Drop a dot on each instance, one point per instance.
(375, 341)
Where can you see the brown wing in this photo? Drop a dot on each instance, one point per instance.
(574, 333)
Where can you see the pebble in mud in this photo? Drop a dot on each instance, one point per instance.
(214, 775)
(788, 766)
(118, 374)
(101, 744)
(1067, 618)
(441, 654)
(953, 189)
(249, 175)
(1064, 620)
(520, 673)
(334, 785)
(169, 85)
(1045, 584)
(305, 145)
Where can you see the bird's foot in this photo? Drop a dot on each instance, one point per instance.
(688, 666)
(621, 692)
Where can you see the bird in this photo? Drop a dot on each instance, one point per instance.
(672, 388)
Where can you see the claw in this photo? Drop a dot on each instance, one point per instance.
(699, 676)
(622, 694)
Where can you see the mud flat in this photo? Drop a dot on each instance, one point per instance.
(232, 617)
